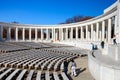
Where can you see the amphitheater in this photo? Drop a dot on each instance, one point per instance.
(36, 52)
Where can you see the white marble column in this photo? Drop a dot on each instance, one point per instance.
(76, 33)
(29, 34)
(16, 33)
(62, 34)
(66, 34)
(47, 34)
(9, 33)
(94, 35)
(53, 34)
(88, 35)
(115, 27)
(1, 32)
(118, 22)
(109, 30)
(91, 32)
(100, 36)
(71, 33)
(81, 33)
(86, 32)
(23, 34)
(97, 31)
(36, 33)
(42, 34)
(103, 30)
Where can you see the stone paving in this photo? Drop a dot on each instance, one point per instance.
(82, 69)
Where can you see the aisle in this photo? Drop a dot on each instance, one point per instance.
(82, 69)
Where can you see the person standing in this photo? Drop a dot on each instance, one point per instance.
(65, 66)
(73, 68)
(114, 40)
(102, 44)
(92, 46)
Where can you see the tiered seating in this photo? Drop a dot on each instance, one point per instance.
(31, 45)
(68, 50)
(6, 47)
(56, 45)
(19, 74)
(35, 61)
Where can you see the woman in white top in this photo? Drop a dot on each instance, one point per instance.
(73, 68)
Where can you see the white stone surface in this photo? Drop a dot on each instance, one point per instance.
(103, 67)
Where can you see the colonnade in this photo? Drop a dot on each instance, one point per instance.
(98, 31)
(101, 28)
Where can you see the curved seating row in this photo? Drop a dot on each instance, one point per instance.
(34, 59)
(24, 74)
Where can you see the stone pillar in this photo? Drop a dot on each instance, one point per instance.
(29, 34)
(91, 32)
(109, 30)
(118, 21)
(103, 30)
(9, 33)
(41, 34)
(86, 32)
(88, 35)
(100, 36)
(53, 34)
(16, 32)
(71, 35)
(97, 31)
(115, 27)
(82, 33)
(36, 34)
(47, 34)
(1, 32)
(23, 34)
(94, 35)
(62, 34)
(76, 33)
(66, 34)
(59, 33)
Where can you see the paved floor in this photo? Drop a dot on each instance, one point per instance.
(82, 69)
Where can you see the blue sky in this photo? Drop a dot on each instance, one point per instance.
(49, 11)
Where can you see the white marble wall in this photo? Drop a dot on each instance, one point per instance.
(102, 70)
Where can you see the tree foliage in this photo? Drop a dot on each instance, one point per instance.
(76, 18)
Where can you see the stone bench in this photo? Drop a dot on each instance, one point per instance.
(29, 77)
(47, 75)
(38, 77)
(56, 77)
(12, 74)
(21, 74)
(64, 76)
(5, 73)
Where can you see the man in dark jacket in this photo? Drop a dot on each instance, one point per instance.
(65, 66)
